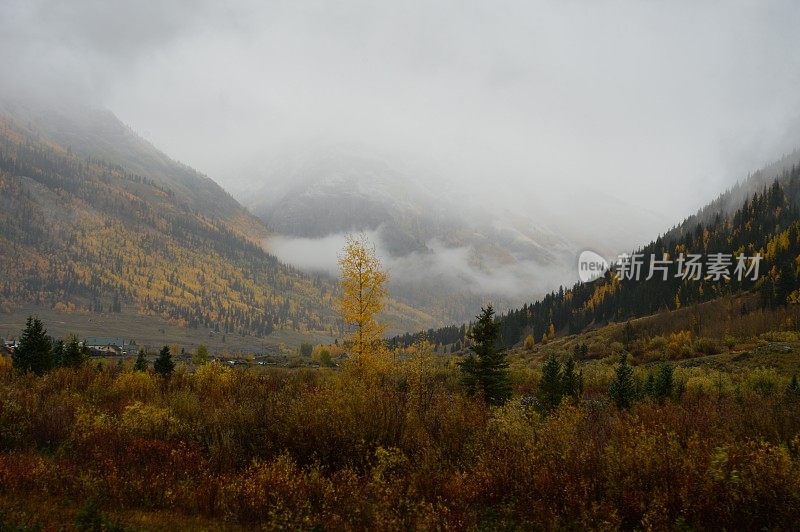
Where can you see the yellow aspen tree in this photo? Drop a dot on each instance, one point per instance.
(363, 297)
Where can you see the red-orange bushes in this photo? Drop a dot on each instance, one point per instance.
(401, 451)
(145, 473)
(52, 421)
(16, 407)
(642, 469)
(747, 485)
(277, 493)
(27, 473)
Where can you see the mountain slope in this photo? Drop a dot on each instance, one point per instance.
(446, 249)
(87, 235)
(95, 133)
(767, 223)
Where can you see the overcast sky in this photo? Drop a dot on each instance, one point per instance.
(660, 103)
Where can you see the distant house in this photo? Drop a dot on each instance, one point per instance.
(109, 346)
(8, 347)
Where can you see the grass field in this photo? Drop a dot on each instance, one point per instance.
(152, 332)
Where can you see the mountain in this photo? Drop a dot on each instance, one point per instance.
(766, 221)
(94, 220)
(93, 132)
(446, 250)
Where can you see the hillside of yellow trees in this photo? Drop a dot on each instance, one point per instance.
(81, 234)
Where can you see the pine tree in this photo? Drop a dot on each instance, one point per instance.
(141, 361)
(664, 382)
(623, 387)
(164, 365)
(74, 354)
(469, 373)
(486, 369)
(550, 385)
(571, 382)
(57, 353)
(35, 351)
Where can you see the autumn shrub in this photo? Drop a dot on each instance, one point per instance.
(148, 421)
(657, 344)
(730, 342)
(401, 449)
(213, 379)
(781, 336)
(763, 381)
(679, 344)
(598, 348)
(6, 367)
(639, 466)
(267, 492)
(744, 485)
(597, 377)
(136, 385)
(707, 346)
(15, 419)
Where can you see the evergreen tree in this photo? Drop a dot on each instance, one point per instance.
(164, 365)
(57, 353)
(469, 373)
(486, 369)
(35, 351)
(623, 387)
(664, 382)
(550, 386)
(571, 382)
(73, 353)
(141, 361)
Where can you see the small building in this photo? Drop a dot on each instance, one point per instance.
(8, 347)
(110, 346)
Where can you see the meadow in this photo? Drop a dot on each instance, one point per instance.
(400, 446)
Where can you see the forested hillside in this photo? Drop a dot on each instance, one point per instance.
(96, 133)
(84, 235)
(766, 223)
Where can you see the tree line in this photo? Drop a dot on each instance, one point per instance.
(767, 223)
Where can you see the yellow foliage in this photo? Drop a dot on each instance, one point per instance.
(679, 343)
(363, 298)
(138, 385)
(213, 378)
(5, 365)
(529, 342)
(148, 420)
(88, 421)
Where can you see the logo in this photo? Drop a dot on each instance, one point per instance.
(591, 266)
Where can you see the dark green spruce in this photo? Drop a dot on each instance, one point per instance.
(485, 370)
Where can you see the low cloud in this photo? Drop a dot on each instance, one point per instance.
(452, 269)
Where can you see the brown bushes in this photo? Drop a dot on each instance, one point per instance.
(299, 449)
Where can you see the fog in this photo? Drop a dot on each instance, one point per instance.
(656, 106)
